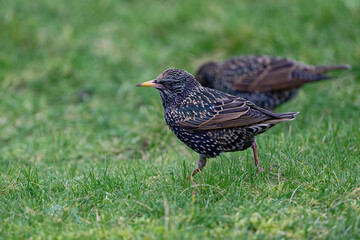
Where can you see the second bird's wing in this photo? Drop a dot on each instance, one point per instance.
(256, 73)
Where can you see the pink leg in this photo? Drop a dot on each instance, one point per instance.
(254, 147)
(196, 171)
(201, 165)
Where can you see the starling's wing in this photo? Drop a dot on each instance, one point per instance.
(256, 73)
(224, 112)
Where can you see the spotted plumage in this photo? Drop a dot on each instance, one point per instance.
(265, 81)
(209, 121)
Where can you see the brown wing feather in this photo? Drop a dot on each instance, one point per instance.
(260, 73)
(231, 112)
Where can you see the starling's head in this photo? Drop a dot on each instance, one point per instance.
(206, 74)
(173, 84)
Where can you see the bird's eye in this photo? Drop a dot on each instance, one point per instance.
(159, 81)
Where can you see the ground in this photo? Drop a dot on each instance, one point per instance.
(85, 154)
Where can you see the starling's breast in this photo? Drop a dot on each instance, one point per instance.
(199, 141)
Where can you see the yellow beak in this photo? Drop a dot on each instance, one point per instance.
(147, 84)
(151, 83)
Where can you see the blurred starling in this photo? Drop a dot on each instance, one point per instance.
(265, 81)
(209, 121)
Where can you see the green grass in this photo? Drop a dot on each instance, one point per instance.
(85, 154)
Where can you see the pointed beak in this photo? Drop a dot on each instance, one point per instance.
(147, 84)
(151, 83)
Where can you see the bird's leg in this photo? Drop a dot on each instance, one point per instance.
(201, 165)
(254, 147)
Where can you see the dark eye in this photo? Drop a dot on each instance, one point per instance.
(159, 81)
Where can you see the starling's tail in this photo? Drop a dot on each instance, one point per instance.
(324, 69)
(282, 117)
(288, 116)
(306, 74)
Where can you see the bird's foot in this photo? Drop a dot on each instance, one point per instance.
(194, 172)
(201, 165)
(273, 167)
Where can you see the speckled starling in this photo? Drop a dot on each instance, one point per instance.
(209, 121)
(265, 81)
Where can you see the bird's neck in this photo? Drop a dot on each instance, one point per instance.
(170, 99)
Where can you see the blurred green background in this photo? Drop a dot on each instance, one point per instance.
(83, 153)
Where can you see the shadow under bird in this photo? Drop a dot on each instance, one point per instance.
(263, 80)
(209, 121)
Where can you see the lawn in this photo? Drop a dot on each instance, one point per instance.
(85, 154)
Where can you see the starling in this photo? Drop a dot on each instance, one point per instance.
(265, 81)
(209, 121)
